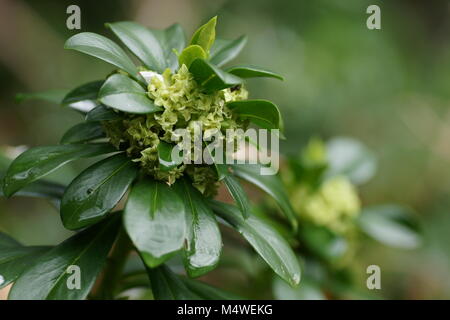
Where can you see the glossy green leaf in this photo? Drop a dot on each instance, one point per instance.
(155, 221)
(238, 194)
(101, 47)
(224, 51)
(124, 94)
(206, 291)
(171, 39)
(87, 91)
(212, 78)
(37, 162)
(142, 42)
(82, 132)
(271, 184)
(263, 113)
(96, 191)
(190, 53)
(40, 189)
(248, 71)
(264, 239)
(16, 258)
(165, 156)
(391, 225)
(53, 96)
(351, 158)
(204, 242)
(205, 35)
(167, 285)
(102, 113)
(49, 276)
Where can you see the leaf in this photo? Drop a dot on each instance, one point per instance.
(226, 50)
(96, 191)
(391, 225)
(208, 292)
(204, 242)
(101, 47)
(212, 78)
(124, 94)
(41, 189)
(205, 35)
(16, 258)
(248, 71)
(87, 91)
(190, 53)
(155, 221)
(165, 156)
(48, 277)
(261, 112)
(53, 96)
(142, 42)
(323, 242)
(166, 285)
(238, 194)
(271, 184)
(351, 158)
(83, 98)
(102, 113)
(82, 132)
(171, 38)
(264, 239)
(37, 162)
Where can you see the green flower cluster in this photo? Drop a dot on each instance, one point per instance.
(329, 202)
(334, 204)
(185, 106)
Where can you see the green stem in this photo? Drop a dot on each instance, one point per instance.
(106, 288)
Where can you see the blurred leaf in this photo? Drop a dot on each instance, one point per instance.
(171, 39)
(224, 51)
(271, 184)
(48, 277)
(124, 94)
(265, 240)
(102, 113)
(350, 158)
(16, 258)
(40, 189)
(323, 242)
(307, 290)
(37, 162)
(166, 285)
(190, 53)
(205, 35)
(142, 43)
(101, 47)
(83, 132)
(212, 78)
(238, 194)
(391, 225)
(261, 112)
(53, 96)
(204, 242)
(97, 190)
(248, 71)
(165, 156)
(208, 292)
(155, 221)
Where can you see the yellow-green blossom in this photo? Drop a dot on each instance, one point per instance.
(333, 205)
(184, 106)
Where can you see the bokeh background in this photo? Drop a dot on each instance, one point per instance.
(388, 88)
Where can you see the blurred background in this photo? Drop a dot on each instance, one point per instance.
(388, 88)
